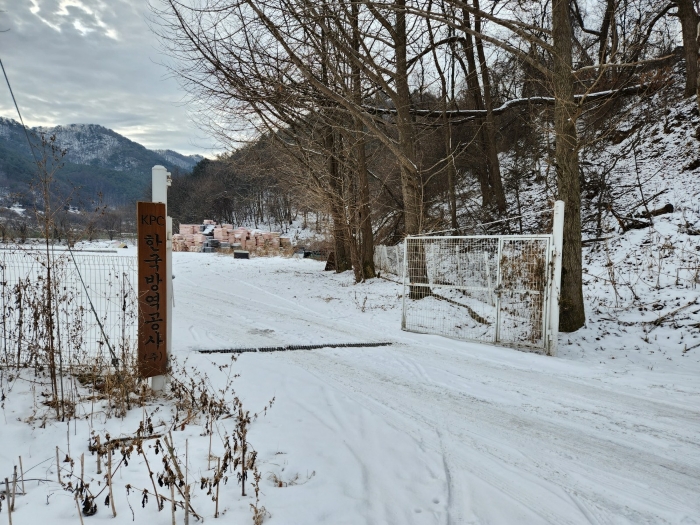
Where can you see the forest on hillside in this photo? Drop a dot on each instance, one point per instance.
(400, 117)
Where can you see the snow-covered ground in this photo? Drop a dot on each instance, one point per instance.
(425, 431)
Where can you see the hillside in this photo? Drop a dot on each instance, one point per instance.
(97, 160)
(641, 275)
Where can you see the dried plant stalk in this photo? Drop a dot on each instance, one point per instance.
(80, 513)
(109, 481)
(217, 476)
(58, 466)
(21, 471)
(9, 508)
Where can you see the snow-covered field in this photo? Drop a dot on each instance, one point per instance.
(425, 431)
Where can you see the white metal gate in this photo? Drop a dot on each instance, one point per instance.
(491, 289)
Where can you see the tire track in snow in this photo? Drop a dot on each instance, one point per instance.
(360, 441)
(202, 296)
(555, 446)
(399, 417)
(586, 465)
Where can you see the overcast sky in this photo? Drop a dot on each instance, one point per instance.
(93, 62)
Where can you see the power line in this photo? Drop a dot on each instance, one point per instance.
(115, 360)
(26, 134)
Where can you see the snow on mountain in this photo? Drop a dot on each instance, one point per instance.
(183, 161)
(5, 127)
(97, 160)
(95, 145)
(90, 144)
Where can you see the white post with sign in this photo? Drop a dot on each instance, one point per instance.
(160, 181)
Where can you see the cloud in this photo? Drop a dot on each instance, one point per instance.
(85, 16)
(97, 62)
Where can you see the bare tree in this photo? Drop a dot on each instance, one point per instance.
(378, 136)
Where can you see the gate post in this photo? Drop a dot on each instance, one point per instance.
(160, 180)
(405, 273)
(555, 279)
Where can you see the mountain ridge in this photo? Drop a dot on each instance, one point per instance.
(98, 160)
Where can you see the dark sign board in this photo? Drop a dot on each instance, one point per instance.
(153, 294)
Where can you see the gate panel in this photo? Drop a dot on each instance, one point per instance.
(490, 289)
(450, 285)
(522, 290)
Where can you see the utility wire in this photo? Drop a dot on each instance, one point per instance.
(26, 134)
(115, 360)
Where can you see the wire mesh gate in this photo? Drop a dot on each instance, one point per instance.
(492, 289)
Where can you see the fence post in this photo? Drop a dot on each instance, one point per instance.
(497, 292)
(555, 285)
(160, 180)
(405, 272)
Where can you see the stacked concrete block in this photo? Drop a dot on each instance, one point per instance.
(188, 229)
(191, 238)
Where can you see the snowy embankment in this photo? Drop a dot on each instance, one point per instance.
(428, 430)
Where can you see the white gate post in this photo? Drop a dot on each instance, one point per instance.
(405, 274)
(497, 291)
(160, 180)
(555, 285)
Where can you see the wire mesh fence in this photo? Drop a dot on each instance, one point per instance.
(482, 288)
(31, 283)
(389, 259)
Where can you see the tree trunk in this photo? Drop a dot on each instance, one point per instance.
(572, 314)
(410, 183)
(340, 228)
(472, 80)
(451, 175)
(689, 25)
(342, 257)
(365, 213)
(494, 167)
(608, 19)
(447, 131)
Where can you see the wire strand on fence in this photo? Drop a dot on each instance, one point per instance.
(115, 360)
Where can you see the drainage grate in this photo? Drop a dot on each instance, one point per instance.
(292, 347)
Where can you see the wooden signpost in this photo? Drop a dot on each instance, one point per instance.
(153, 291)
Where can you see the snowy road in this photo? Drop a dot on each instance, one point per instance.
(432, 430)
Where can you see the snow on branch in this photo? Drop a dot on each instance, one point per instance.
(517, 102)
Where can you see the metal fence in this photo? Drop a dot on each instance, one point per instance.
(24, 299)
(491, 289)
(389, 259)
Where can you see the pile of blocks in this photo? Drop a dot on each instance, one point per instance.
(190, 239)
(210, 236)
